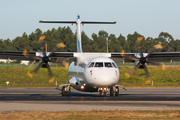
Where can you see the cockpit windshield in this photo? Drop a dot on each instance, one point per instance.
(91, 65)
(99, 64)
(108, 64)
(114, 64)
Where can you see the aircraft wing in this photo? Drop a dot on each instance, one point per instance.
(15, 55)
(19, 55)
(157, 57)
(165, 56)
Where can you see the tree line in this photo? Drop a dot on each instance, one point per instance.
(98, 43)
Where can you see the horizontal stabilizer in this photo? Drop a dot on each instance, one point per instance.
(82, 22)
(87, 22)
(57, 21)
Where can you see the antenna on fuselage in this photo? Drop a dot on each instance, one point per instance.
(78, 23)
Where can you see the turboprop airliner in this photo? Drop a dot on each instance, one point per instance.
(91, 72)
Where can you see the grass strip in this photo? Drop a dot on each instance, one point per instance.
(93, 114)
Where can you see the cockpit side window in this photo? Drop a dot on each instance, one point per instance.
(114, 64)
(91, 65)
(99, 64)
(108, 64)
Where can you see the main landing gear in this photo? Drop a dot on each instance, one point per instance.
(66, 90)
(114, 90)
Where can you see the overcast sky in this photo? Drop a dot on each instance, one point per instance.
(147, 17)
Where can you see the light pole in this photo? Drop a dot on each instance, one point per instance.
(107, 45)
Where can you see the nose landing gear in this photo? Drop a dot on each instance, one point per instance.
(103, 91)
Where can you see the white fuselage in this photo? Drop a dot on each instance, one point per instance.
(93, 73)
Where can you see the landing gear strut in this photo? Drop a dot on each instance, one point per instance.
(66, 90)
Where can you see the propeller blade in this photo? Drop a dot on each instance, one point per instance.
(30, 57)
(25, 53)
(42, 45)
(132, 71)
(51, 80)
(138, 42)
(37, 68)
(66, 65)
(148, 81)
(131, 57)
(122, 53)
(56, 47)
(146, 70)
(158, 46)
(31, 74)
(163, 67)
(128, 56)
(148, 78)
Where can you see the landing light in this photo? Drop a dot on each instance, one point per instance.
(82, 87)
(84, 84)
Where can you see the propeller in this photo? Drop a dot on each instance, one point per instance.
(143, 60)
(44, 60)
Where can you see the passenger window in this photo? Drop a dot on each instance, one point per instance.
(99, 64)
(91, 65)
(114, 64)
(108, 64)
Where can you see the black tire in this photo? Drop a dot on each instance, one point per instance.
(63, 91)
(100, 93)
(69, 92)
(117, 92)
(111, 92)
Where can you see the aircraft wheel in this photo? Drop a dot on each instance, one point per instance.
(69, 92)
(100, 93)
(111, 92)
(117, 92)
(63, 91)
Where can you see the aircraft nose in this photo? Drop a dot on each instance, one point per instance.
(106, 77)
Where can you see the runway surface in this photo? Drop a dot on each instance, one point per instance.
(50, 99)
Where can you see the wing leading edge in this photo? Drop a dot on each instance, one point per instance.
(160, 57)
